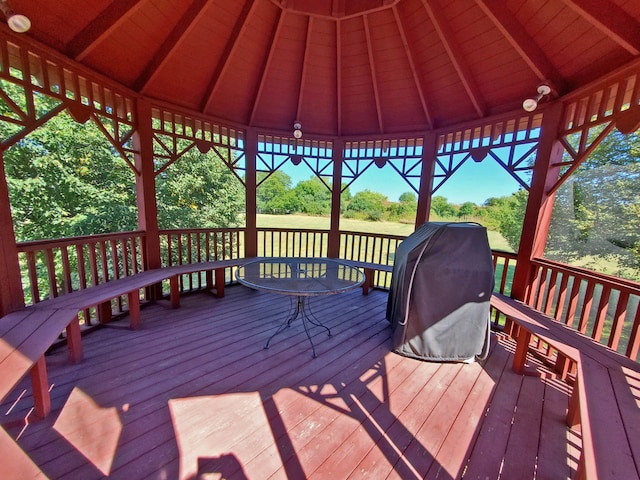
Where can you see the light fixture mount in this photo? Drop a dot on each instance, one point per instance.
(297, 129)
(530, 104)
(18, 23)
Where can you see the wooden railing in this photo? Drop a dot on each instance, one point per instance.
(601, 306)
(54, 267)
(184, 246)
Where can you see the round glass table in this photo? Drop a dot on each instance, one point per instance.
(300, 278)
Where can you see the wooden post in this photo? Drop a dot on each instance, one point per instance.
(429, 152)
(11, 296)
(74, 341)
(146, 191)
(250, 183)
(40, 385)
(333, 248)
(539, 208)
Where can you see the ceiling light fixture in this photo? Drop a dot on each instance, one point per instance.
(297, 129)
(17, 23)
(530, 104)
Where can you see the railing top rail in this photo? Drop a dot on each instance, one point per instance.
(607, 280)
(177, 231)
(35, 245)
(375, 235)
(278, 229)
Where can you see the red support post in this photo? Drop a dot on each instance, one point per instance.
(40, 385)
(539, 208)
(429, 152)
(11, 296)
(333, 248)
(250, 183)
(146, 191)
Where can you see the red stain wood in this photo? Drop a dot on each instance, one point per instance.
(356, 410)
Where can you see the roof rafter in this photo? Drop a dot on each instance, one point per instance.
(86, 39)
(229, 49)
(372, 66)
(267, 64)
(610, 19)
(305, 61)
(455, 55)
(522, 42)
(412, 66)
(171, 42)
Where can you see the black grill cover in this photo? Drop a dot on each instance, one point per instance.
(440, 291)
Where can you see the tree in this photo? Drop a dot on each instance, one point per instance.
(66, 180)
(596, 209)
(313, 197)
(508, 213)
(199, 191)
(441, 207)
(370, 205)
(467, 209)
(274, 194)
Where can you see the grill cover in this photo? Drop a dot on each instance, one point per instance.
(440, 291)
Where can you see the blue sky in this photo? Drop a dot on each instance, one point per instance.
(473, 182)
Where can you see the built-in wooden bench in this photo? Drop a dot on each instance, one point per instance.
(606, 393)
(369, 269)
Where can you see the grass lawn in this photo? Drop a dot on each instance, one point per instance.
(496, 241)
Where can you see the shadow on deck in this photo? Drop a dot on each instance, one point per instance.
(194, 394)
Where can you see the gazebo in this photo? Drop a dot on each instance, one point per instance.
(422, 86)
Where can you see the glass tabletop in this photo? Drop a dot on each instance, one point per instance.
(300, 276)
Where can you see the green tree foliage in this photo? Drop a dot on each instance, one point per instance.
(466, 210)
(508, 213)
(367, 204)
(441, 207)
(405, 209)
(274, 194)
(313, 197)
(199, 191)
(65, 180)
(596, 209)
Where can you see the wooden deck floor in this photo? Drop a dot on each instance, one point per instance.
(193, 394)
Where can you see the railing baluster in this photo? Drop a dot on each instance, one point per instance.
(618, 320)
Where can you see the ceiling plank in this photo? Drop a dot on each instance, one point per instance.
(412, 66)
(83, 43)
(372, 66)
(305, 62)
(523, 43)
(455, 55)
(267, 64)
(171, 42)
(610, 19)
(229, 49)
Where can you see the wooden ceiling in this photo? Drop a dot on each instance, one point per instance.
(342, 67)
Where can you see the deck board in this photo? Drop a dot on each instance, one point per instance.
(194, 393)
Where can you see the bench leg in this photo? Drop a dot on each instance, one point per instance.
(208, 275)
(40, 385)
(573, 412)
(368, 281)
(104, 312)
(174, 289)
(133, 302)
(562, 365)
(522, 347)
(74, 341)
(219, 282)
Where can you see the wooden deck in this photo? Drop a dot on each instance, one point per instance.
(193, 394)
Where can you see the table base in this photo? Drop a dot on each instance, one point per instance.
(302, 310)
